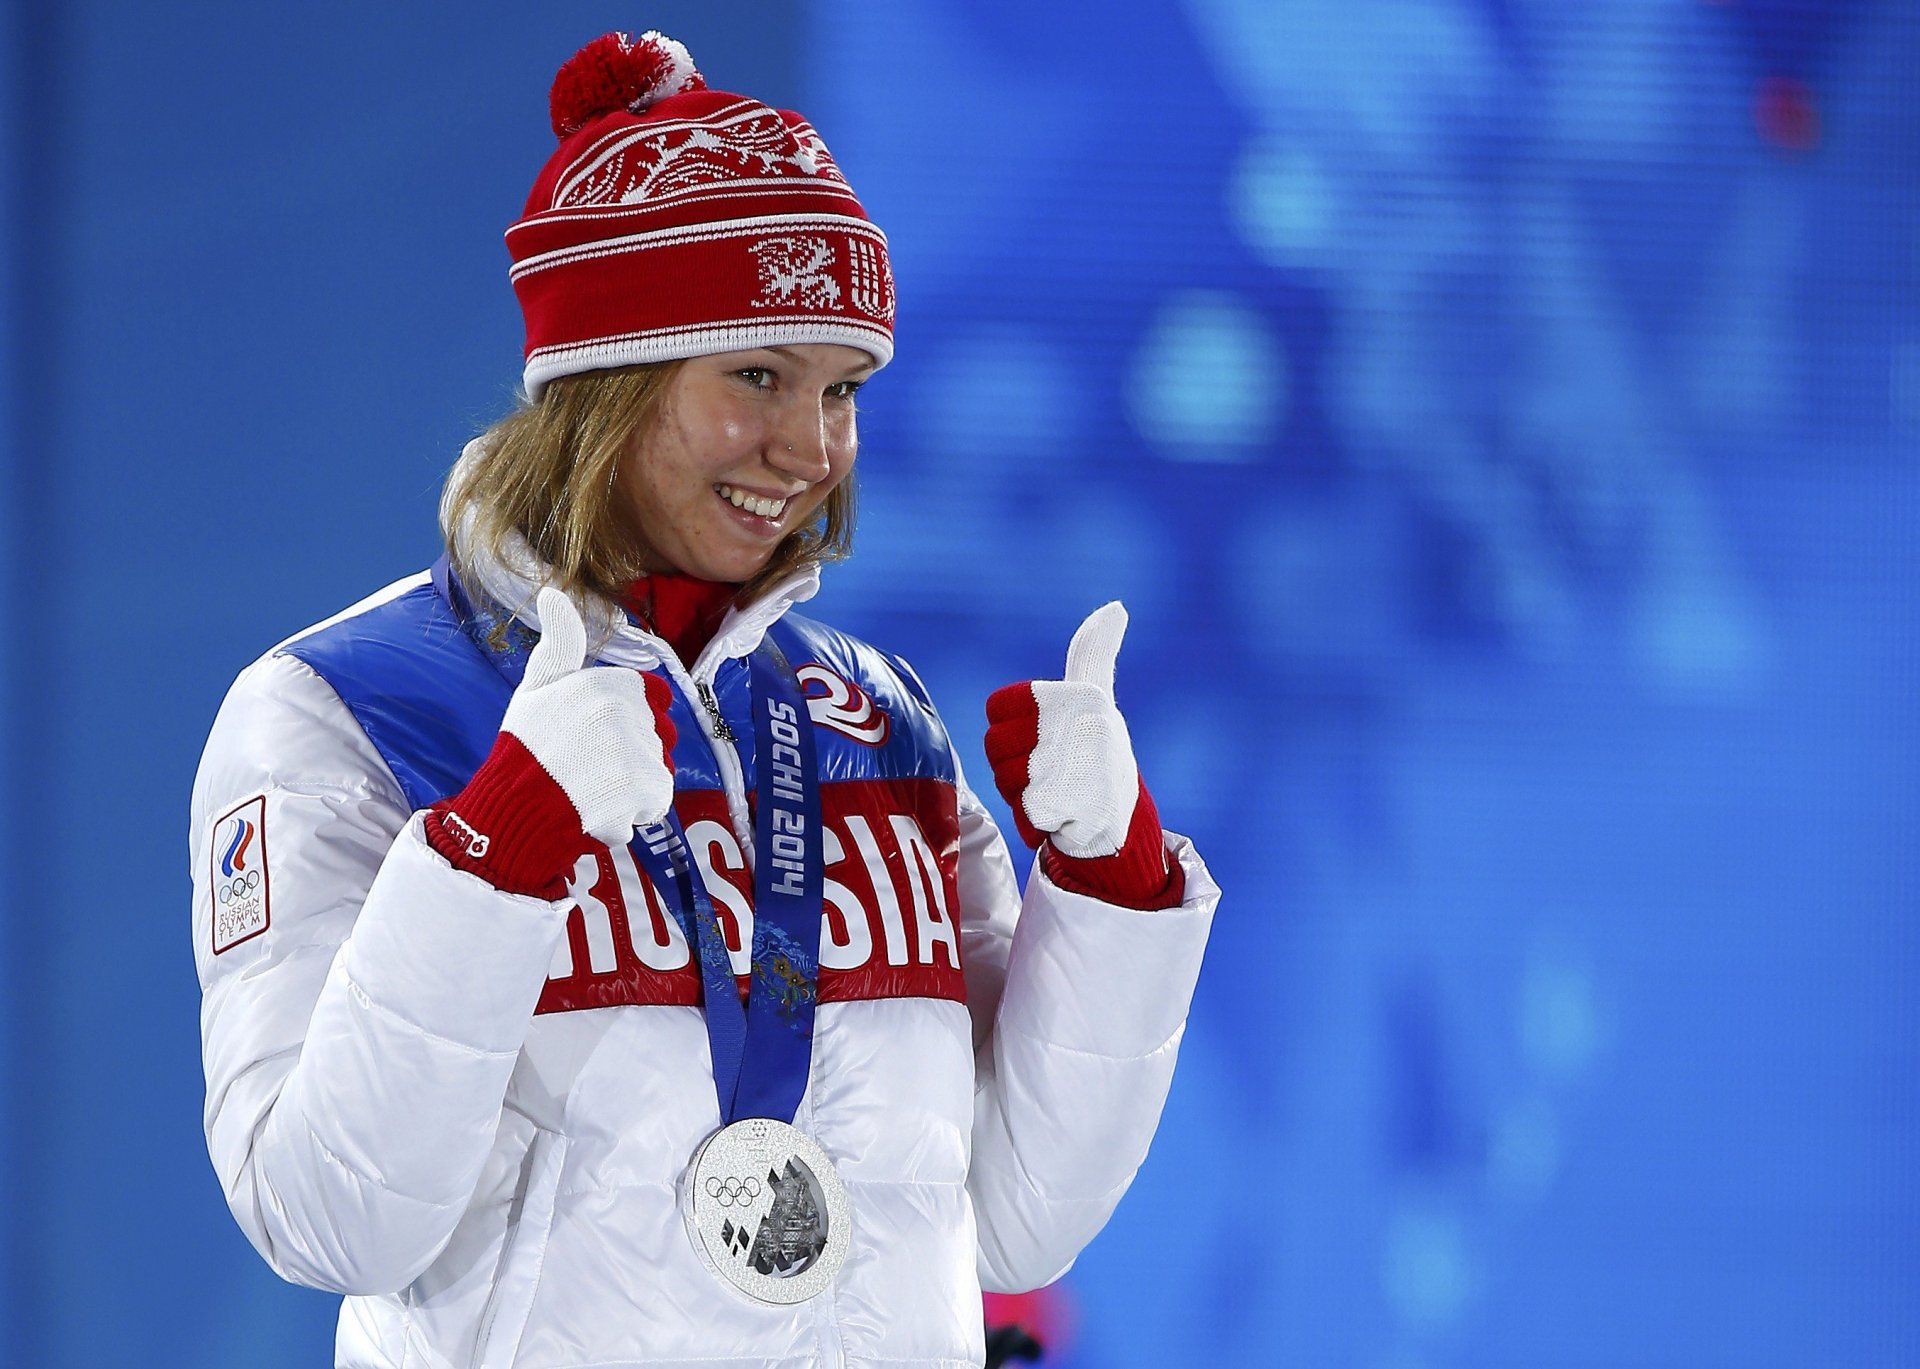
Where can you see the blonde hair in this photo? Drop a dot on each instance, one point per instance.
(549, 471)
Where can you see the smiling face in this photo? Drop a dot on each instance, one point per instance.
(746, 448)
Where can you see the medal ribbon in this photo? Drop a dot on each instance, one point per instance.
(762, 1050)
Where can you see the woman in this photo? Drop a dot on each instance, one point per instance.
(604, 964)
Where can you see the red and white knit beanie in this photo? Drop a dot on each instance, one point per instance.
(677, 221)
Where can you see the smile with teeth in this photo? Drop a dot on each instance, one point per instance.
(752, 503)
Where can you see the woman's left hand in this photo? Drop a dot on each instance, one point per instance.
(1063, 760)
(1060, 751)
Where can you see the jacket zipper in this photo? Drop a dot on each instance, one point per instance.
(721, 727)
(720, 739)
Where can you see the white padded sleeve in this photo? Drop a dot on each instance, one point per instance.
(357, 1050)
(1070, 1086)
(989, 893)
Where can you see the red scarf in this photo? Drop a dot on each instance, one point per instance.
(684, 611)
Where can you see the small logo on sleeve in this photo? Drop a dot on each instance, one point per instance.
(239, 875)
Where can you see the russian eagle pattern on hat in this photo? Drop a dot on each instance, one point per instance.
(676, 221)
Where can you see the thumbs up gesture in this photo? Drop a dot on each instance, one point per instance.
(601, 732)
(1060, 752)
(583, 751)
(1063, 761)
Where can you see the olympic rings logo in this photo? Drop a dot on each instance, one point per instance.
(730, 1192)
(239, 886)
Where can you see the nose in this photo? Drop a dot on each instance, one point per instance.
(799, 447)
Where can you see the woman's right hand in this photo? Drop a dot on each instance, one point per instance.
(584, 751)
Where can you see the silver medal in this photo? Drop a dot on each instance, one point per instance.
(766, 1210)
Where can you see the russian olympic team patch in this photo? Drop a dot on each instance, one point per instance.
(239, 876)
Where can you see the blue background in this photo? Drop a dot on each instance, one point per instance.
(1500, 417)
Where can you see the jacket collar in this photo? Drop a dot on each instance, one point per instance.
(513, 579)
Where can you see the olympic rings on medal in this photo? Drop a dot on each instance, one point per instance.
(731, 1192)
(239, 887)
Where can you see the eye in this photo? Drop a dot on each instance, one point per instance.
(759, 377)
(845, 389)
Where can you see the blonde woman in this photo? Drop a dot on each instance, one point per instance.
(605, 964)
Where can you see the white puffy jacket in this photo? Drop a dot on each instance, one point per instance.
(468, 1111)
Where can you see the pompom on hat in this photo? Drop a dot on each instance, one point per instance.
(677, 221)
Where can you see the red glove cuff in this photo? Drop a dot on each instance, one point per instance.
(1139, 875)
(512, 825)
(1013, 730)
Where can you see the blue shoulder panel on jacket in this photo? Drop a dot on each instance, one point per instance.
(430, 699)
(421, 689)
(871, 719)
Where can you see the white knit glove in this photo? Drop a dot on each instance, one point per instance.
(592, 728)
(1060, 751)
(584, 755)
